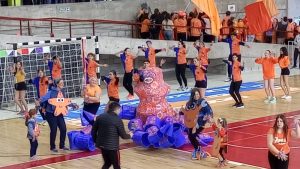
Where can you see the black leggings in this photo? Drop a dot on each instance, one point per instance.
(127, 82)
(296, 54)
(221, 153)
(111, 157)
(91, 107)
(193, 137)
(276, 163)
(234, 91)
(180, 74)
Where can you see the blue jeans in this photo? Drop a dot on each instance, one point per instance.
(33, 147)
(54, 122)
(168, 35)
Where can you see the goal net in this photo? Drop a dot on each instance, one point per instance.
(32, 56)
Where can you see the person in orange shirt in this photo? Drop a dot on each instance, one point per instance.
(180, 66)
(195, 28)
(127, 61)
(278, 138)
(181, 26)
(150, 52)
(92, 93)
(199, 71)
(202, 52)
(145, 24)
(41, 83)
(268, 64)
(220, 130)
(226, 24)
(91, 66)
(112, 82)
(234, 46)
(55, 67)
(284, 62)
(290, 31)
(235, 85)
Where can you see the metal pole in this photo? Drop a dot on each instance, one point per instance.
(28, 29)
(70, 29)
(20, 27)
(93, 28)
(51, 29)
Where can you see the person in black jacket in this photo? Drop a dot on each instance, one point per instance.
(106, 131)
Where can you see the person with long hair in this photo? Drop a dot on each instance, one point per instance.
(268, 65)
(168, 27)
(92, 95)
(180, 66)
(205, 115)
(106, 131)
(202, 52)
(196, 27)
(145, 26)
(112, 82)
(235, 85)
(32, 132)
(199, 71)
(41, 84)
(91, 66)
(127, 58)
(284, 62)
(220, 129)
(297, 48)
(181, 26)
(20, 86)
(278, 139)
(55, 121)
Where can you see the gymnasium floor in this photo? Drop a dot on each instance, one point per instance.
(247, 133)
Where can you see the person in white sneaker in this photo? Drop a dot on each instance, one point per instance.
(268, 64)
(284, 62)
(180, 66)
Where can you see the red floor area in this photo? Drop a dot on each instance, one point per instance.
(248, 142)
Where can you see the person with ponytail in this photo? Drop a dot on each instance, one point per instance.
(112, 82)
(92, 94)
(284, 62)
(220, 130)
(32, 132)
(41, 83)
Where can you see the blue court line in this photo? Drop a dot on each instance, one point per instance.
(174, 97)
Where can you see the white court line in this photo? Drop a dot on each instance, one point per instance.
(230, 162)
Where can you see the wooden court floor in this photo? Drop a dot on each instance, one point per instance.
(15, 146)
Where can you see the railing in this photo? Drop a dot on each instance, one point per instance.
(73, 27)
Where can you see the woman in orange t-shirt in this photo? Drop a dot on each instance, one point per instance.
(284, 62)
(180, 66)
(199, 71)
(202, 52)
(112, 82)
(268, 64)
(91, 66)
(235, 85)
(92, 93)
(278, 138)
(145, 33)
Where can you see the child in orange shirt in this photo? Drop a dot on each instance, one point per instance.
(284, 62)
(220, 129)
(199, 72)
(202, 52)
(268, 64)
(112, 82)
(91, 66)
(150, 52)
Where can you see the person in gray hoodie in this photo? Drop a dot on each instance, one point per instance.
(32, 132)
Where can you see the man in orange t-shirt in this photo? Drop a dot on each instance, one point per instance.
(150, 53)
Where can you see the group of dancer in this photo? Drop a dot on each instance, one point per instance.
(48, 88)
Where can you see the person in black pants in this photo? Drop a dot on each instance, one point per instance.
(55, 120)
(127, 60)
(181, 65)
(106, 131)
(205, 115)
(234, 89)
(297, 50)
